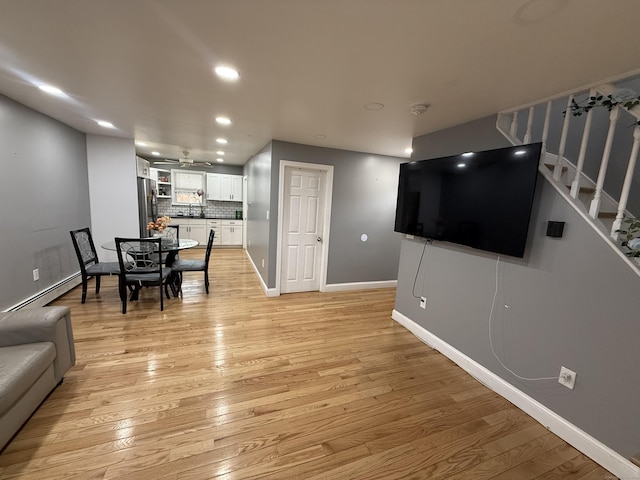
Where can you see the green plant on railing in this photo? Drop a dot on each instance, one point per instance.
(624, 97)
(631, 241)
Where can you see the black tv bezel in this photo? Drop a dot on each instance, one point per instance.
(532, 158)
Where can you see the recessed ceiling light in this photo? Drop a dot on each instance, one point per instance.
(223, 120)
(467, 154)
(219, 160)
(222, 141)
(219, 152)
(155, 154)
(374, 106)
(141, 144)
(227, 73)
(408, 151)
(105, 124)
(519, 152)
(461, 165)
(51, 90)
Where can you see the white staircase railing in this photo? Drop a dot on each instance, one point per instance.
(600, 200)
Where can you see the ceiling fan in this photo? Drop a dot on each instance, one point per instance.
(184, 161)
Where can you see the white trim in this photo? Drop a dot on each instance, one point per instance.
(269, 292)
(43, 297)
(582, 441)
(341, 287)
(328, 194)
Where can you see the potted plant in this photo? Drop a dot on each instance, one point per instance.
(631, 240)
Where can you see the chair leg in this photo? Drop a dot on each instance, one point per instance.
(206, 282)
(123, 295)
(97, 284)
(161, 298)
(84, 288)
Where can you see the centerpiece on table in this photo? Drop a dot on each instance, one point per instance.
(159, 225)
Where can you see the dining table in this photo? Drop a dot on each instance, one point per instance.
(169, 246)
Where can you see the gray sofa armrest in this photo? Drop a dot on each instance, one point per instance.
(44, 324)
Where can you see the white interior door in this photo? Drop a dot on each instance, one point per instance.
(304, 192)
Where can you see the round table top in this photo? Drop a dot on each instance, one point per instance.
(183, 243)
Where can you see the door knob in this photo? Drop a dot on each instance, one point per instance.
(318, 239)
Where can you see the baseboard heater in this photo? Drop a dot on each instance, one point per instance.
(47, 295)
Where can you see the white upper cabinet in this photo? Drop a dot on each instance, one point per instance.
(224, 187)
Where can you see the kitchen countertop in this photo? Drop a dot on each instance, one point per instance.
(198, 217)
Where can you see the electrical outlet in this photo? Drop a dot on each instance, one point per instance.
(36, 274)
(423, 302)
(263, 263)
(567, 377)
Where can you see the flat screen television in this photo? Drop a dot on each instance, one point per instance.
(478, 199)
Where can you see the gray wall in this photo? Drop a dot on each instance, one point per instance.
(573, 302)
(258, 172)
(364, 201)
(44, 195)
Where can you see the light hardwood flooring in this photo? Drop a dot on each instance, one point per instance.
(235, 385)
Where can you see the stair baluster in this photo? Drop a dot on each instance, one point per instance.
(514, 125)
(557, 171)
(594, 208)
(527, 136)
(626, 186)
(575, 185)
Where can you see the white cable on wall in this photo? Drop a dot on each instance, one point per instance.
(493, 303)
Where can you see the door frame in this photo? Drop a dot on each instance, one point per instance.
(326, 218)
(245, 207)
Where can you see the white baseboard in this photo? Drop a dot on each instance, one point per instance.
(582, 441)
(269, 292)
(43, 297)
(341, 287)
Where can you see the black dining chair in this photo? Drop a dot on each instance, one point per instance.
(90, 266)
(139, 267)
(180, 266)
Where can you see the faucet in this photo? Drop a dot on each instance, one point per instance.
(190, 212)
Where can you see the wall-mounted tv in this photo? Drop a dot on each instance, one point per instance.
(479, 199)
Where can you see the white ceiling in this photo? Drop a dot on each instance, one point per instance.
(307, 67)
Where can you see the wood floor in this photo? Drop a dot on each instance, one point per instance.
(235, 385)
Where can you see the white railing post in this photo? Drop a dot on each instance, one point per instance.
(595, 203)
(557, 171)
(545, 132)
(575, 185)
(527, 136)
(626, 186)
(514, 125)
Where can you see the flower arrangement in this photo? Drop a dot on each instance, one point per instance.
(160, 224)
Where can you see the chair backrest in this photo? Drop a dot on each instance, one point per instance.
(139, 255)
(84, 247)
(209, 246)
(171, 234)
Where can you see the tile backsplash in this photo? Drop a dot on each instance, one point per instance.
(213, 209)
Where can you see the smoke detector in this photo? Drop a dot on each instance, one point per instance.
(418, 109)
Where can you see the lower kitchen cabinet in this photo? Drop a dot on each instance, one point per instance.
(193, 228)
(231, 232)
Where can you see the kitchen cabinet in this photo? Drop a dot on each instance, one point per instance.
(215, 225)
(231, 232)
(163, 181)
(224, 187)
(193, 228)
(142, 167)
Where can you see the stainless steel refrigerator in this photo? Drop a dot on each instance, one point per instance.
(147, 203)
